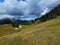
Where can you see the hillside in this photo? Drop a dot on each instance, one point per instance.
(47, 33)
(52, 14)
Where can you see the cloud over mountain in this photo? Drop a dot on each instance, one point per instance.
(27, 7)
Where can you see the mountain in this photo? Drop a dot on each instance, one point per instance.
(47, 33)
(52, 14)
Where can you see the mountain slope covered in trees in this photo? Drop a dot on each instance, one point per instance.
(52, 14)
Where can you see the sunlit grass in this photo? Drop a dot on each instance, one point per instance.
(47, 33)
(8, 29)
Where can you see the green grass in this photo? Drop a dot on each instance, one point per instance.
(47, 33)
(13, 41)
(8, 29)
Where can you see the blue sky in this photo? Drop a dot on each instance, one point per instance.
(26, 7)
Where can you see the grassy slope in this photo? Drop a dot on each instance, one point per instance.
(8, 29)
(47, 33)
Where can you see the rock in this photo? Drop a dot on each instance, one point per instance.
(20, 26)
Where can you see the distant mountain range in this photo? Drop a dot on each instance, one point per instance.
(19, 19)
(52, 14)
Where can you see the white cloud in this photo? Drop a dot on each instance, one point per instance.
(10, 5)
(27, 7)
(6, 16)
(45, 11)
(48, 2)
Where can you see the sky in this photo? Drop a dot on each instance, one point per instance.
(9, 8)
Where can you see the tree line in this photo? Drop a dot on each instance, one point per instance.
(52, 14)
